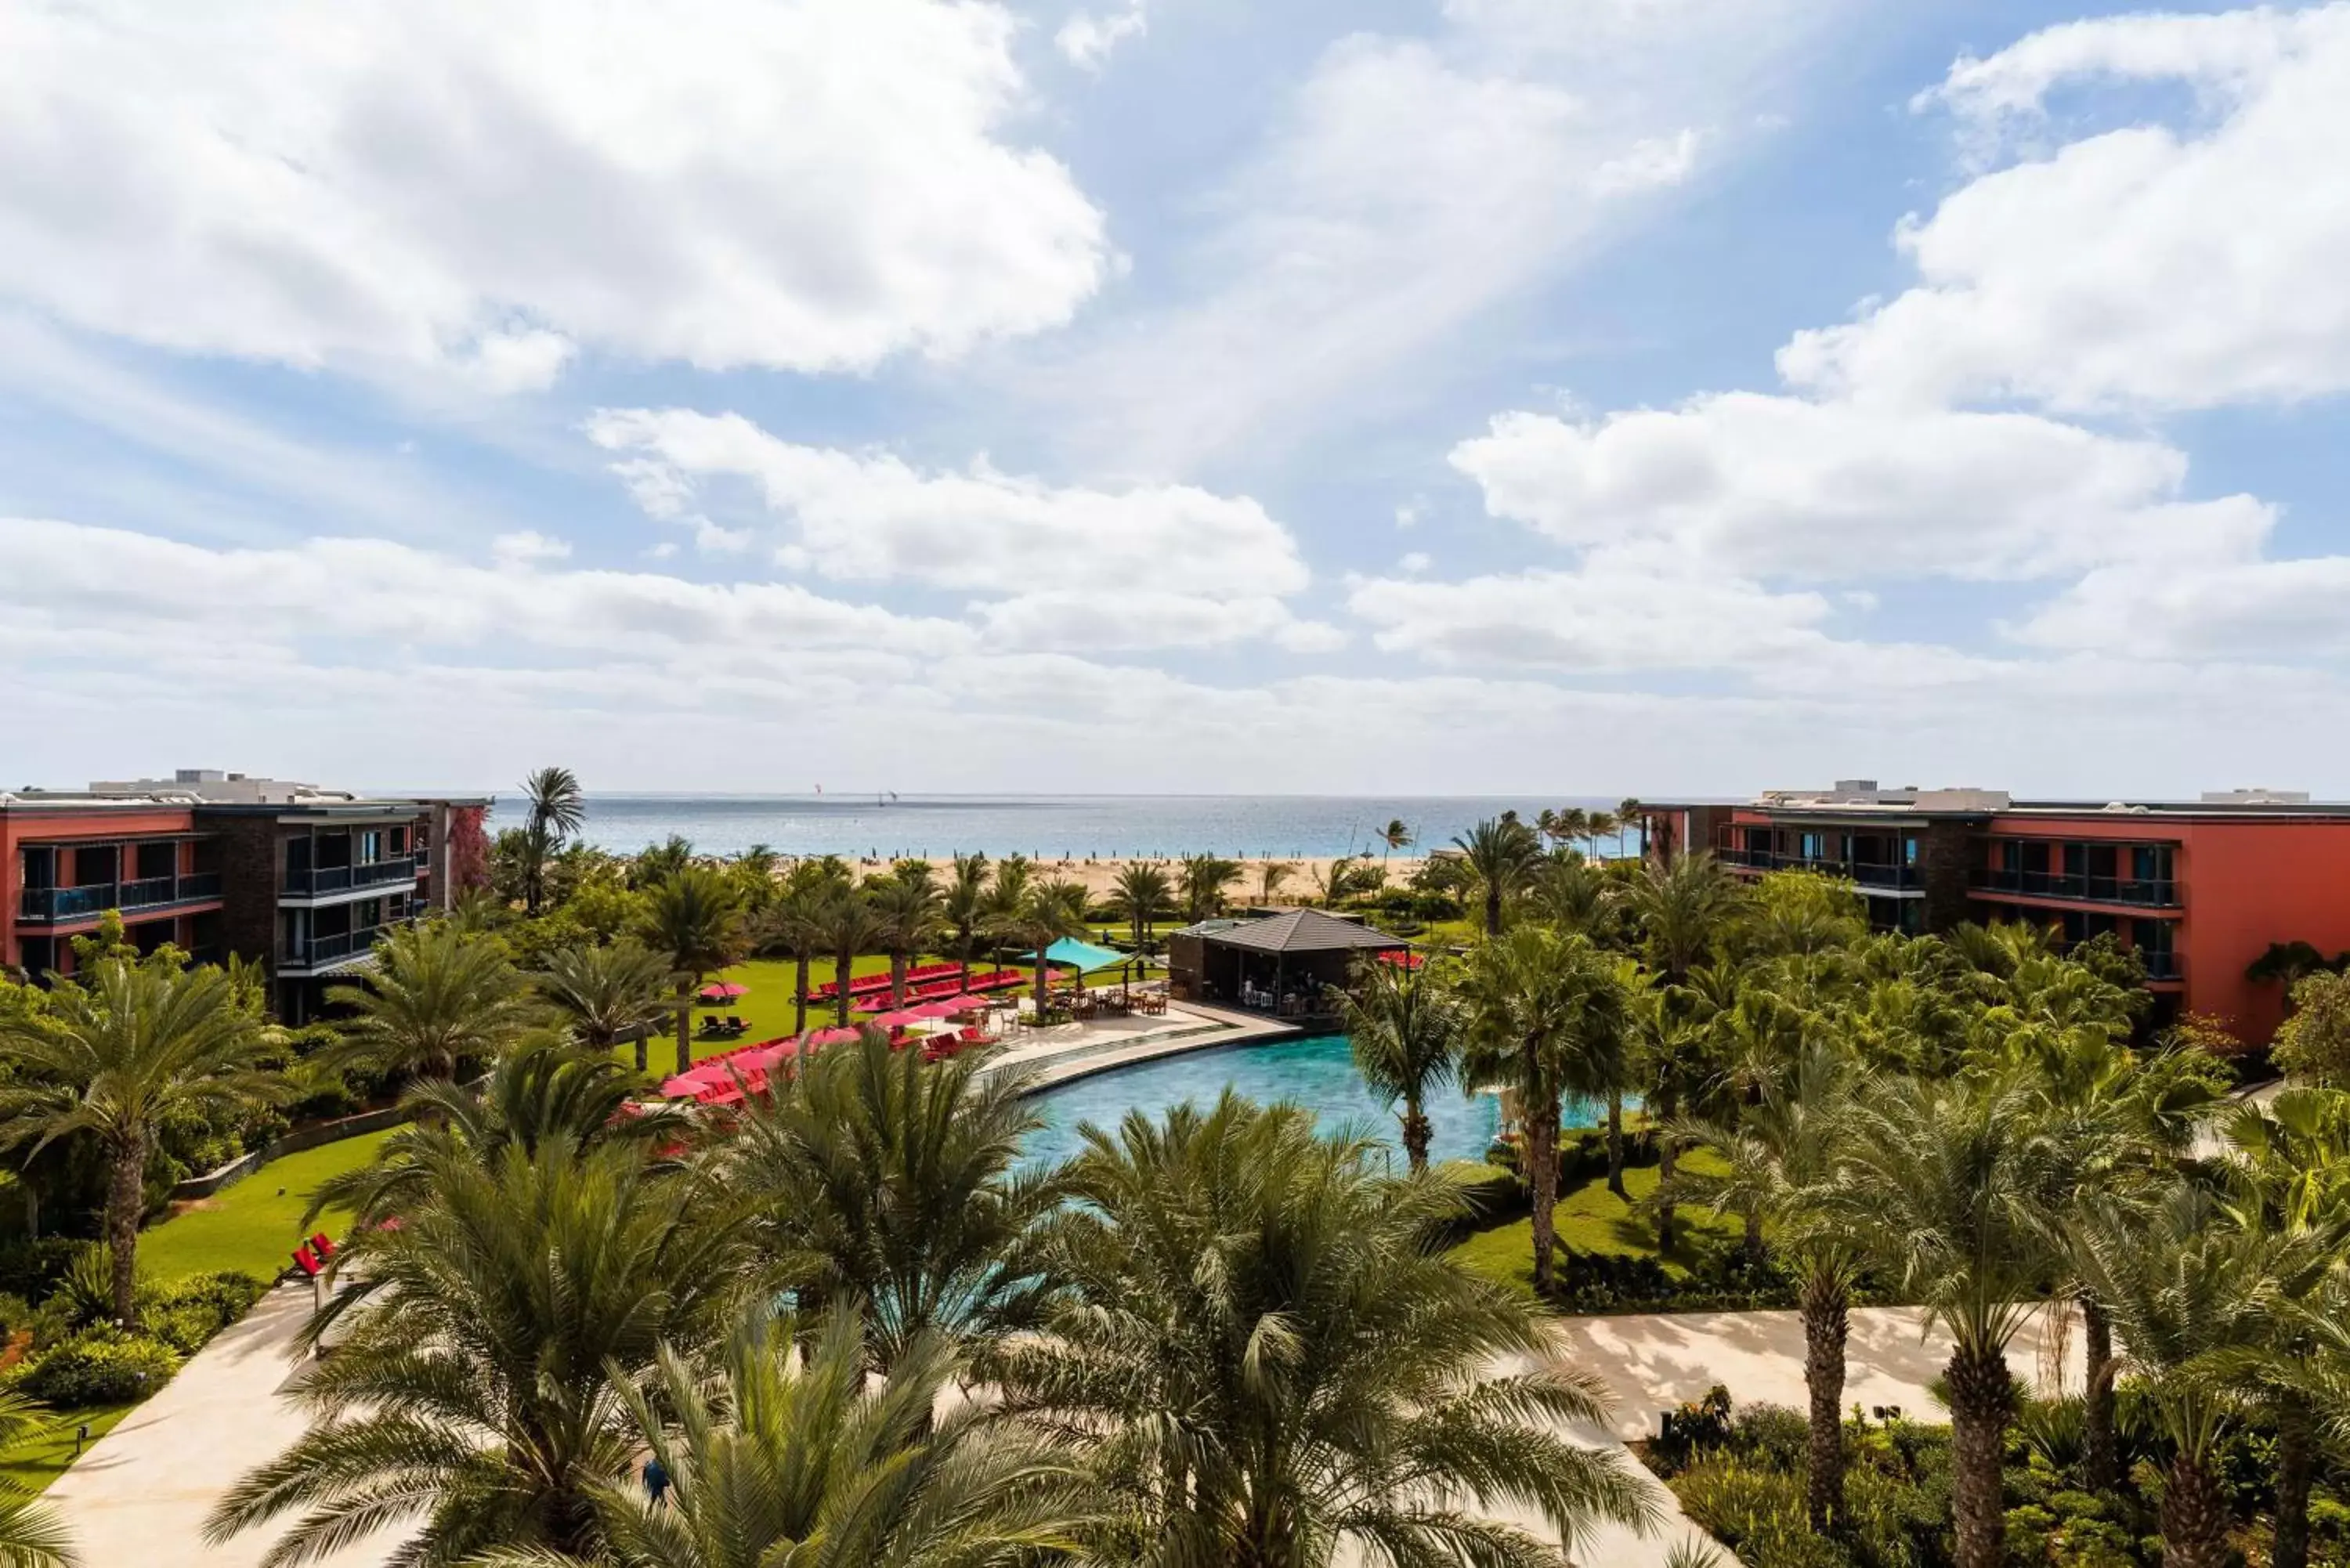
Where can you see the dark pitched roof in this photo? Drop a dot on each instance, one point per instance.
(1304, 931)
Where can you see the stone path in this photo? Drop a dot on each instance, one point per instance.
(139, 1497)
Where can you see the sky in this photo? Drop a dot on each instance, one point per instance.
(1573, 397)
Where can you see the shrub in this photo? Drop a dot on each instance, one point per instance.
(32, 1268)
(1757, 1513)
(1772, 1435)
(98, 1365)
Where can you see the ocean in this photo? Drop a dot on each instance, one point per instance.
(1039, 826)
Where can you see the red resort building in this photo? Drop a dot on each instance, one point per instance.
(2200, 890)
(299, 879)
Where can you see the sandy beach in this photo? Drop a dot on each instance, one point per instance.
(1098, 874)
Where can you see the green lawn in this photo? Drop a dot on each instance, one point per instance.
(1590, 1218)
(31, 1465)
(254, 1225)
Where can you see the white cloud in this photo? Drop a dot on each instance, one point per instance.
(1415, 562)
(1614, 616)
(1088, 40)
(2146, 268)
(1411, 186)
(528, 549)
(803, 184)
(1146, 566)
(1757, 483)
(2289, 609)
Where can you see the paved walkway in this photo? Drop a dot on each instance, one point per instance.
(1071, 1051)
(139, 1497)
(140, 1494)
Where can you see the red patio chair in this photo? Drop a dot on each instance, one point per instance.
(322, 1245)
(306, 1261)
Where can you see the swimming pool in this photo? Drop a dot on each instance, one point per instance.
(1317, 1073)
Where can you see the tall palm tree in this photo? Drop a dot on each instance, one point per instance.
(1394, 836)
(1631, 816)
(1406, 1034)
(435, 998)
(542, 1092)
(792, 1453)
(1279, 1364)
(1141, 892)
(1952, 1181)
(610, 994)
(1541, 1005)
(964, 907)
(1501, 853)
(1562, 826)
(2289, 1171)
(851, 927)
(2120, 1122)
(881, 1182)
(1783, 1152)
(1679, 1073)
(796, 925)
(117, 1053)
(1201, 882)
(694, 919)
(31, 1535)
(2189, 1286)
(480, 1389)
(1270, 876)
(1045, 913)
(1597, 826)
(556, 810)
(907, 922)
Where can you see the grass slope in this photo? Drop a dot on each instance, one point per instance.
(30, 1467)
(254, 1226)
(1590, 1218)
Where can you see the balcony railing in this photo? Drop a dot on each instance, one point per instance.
(309, 952)
(342, 878)
(2156, 893)
(1866, 873)
(144, 893)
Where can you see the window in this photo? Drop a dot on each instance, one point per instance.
(371, 846)
(94, 865)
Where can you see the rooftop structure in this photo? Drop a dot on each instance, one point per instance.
(1284, 964)
(2198, 888)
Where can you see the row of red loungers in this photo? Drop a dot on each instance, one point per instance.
(865, 984)
(726, 1086)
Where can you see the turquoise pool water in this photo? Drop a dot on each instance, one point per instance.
(1319, 1073)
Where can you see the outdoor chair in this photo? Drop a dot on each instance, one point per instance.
(307, 1261)
(322, 1245)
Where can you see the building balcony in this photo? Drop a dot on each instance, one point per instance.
(2069, 886)
(311, 953)
(145, 893)
(325, 880)
(1868, 874)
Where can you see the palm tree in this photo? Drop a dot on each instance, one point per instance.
(1679, 1073)
(119, 1051)
(793, 1453)
(1682, 911)
(1406, 1034)
(1783, 1152)
(1203, 881)
(480, 1389)
(1279, 1364)
(1046, 913)
(964, 907)
(1394, 836)
(1501, 853)
(885, 1182)
(2191, 1288)
(1563, 826)
(610, 993)
(907, 922)
(695, 921)
(2289, 1171)
(795, 924)
(435, 998)
(851, 927)
(1597, 826)
(1629, 815)
(558, 809)
(1270, 876)
(1952, 1181)
(1141, 892)
(31, 1535)
(542, 1092)
(1541, 1006)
